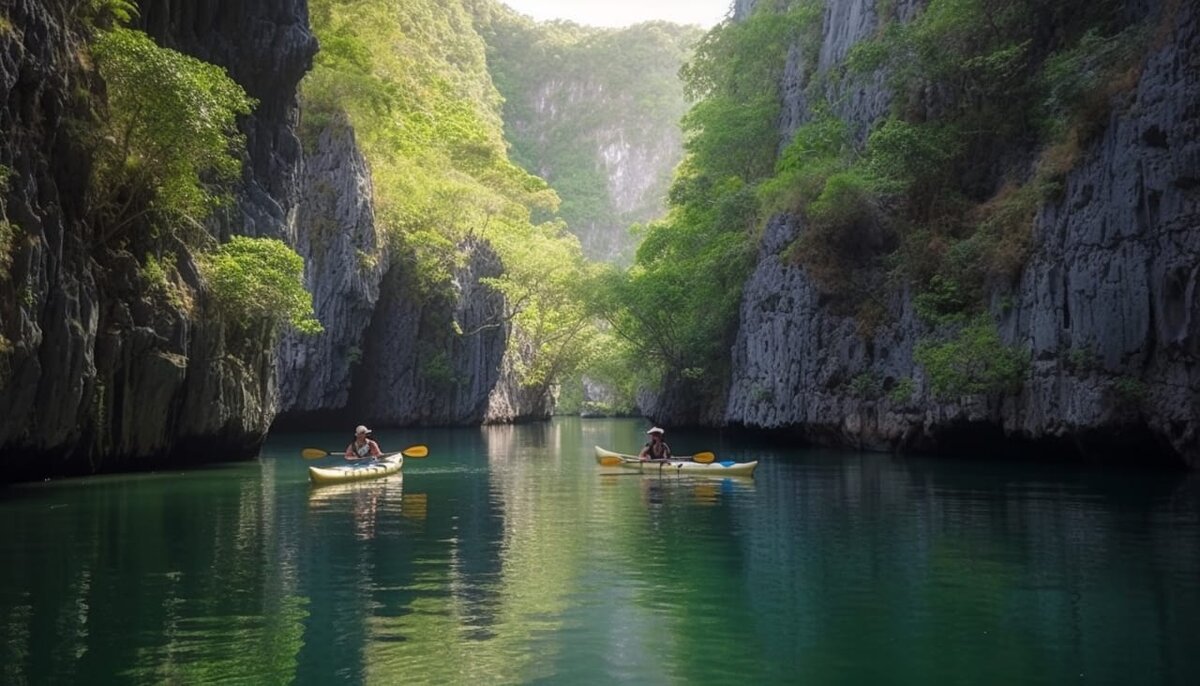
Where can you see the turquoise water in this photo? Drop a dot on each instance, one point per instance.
(509, 556)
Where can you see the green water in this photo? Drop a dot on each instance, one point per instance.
(508, 557)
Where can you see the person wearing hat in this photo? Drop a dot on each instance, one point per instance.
(362, 447)
(657, 448)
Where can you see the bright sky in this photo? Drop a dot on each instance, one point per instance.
(706, 13)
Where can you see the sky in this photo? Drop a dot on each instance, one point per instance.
(706, 13)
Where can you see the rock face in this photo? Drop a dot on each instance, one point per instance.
(99, 373)
(344, 261)
(391, 354)
(1108, 305)
(267, 47)
(417, 369)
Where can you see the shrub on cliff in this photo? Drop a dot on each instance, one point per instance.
(260, 280)
(972, 361)
(169, 148)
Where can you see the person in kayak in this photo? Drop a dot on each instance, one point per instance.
(657, 448)
(362, 447)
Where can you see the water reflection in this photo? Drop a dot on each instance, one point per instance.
(509, 556)
(149, 579)
(364, 500)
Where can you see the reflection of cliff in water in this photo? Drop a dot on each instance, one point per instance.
(969, 545)
(153, 547)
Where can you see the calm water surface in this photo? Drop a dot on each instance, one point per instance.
(509, 556)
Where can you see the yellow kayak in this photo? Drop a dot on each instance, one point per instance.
(726, 468)
(389, 463)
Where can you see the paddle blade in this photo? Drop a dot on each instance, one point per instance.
(703, 458)
(314, 453)
(415, 451)
(611, 461)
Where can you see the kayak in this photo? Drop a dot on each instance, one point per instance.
(389, 463)
(725, 468)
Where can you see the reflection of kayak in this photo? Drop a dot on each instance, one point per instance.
(329, 494)
(390, 463)
(726, 468)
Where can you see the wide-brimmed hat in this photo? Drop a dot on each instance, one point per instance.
(656, 430)
(360, 430)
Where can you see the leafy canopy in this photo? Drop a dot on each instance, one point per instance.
(170, 138)
(260, 280)
(412, 79)
(677, 305)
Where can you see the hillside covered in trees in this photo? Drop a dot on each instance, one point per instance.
(594, 112)
(923, 225)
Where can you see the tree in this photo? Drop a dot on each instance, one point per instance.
(170, 146)
(260, 280)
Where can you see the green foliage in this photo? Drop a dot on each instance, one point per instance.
(845, 234)
(866, 386)
(818, 150)
(571, 92)
(8, 231)
(170, 145)
(545, 285)
(161, 279)
(257, 280)
(427, 118)
(916, 162)
(902, 392)
(678, 304)
(734, 77)
(438, 369)
(972, 361)
(944, 301)
(105, 13)
(1077, 82)
(8, 234)
(1082, 360)
(1004, 76)
(1130, 392)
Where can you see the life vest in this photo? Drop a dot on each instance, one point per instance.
(661, 451)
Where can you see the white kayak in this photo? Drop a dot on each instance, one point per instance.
(725, 468)
(389, 463)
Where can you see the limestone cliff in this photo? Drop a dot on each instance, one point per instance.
(267, 47)
(440, 358)
(345, 261)
(413, 334)
(1108, 305)
(391, 354)
(99, 372)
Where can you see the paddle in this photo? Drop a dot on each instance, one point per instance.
(702, 458)
(317, 453)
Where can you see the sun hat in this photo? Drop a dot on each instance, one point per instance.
(656, 430)
(360, 430)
